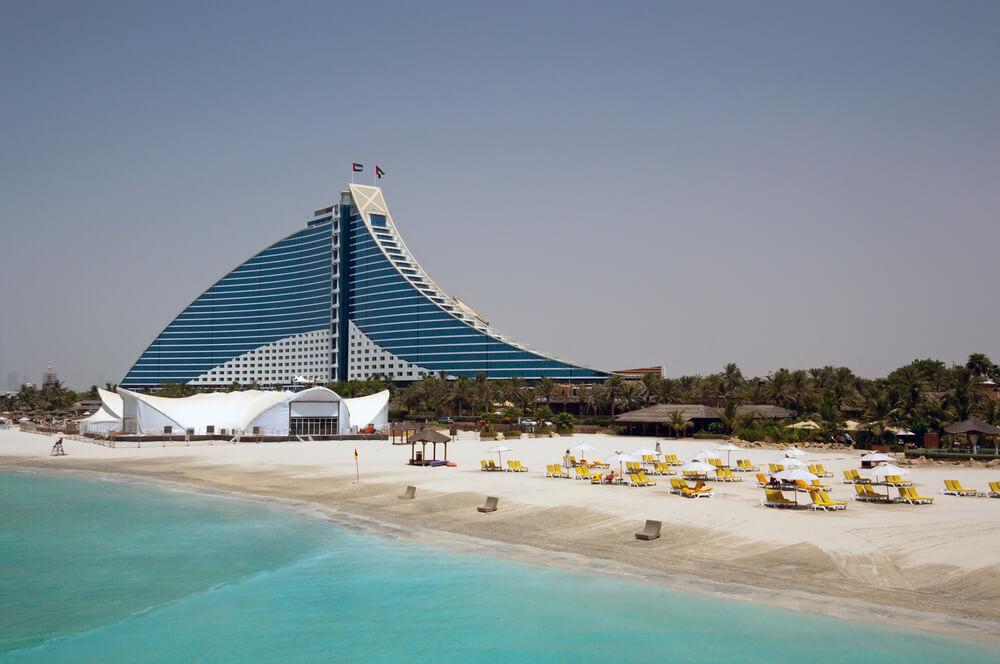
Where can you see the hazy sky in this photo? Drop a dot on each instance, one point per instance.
(776, 184)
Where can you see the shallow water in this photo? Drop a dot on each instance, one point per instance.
(114, 572)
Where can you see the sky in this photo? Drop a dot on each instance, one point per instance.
(686, 184)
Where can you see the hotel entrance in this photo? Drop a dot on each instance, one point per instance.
(313, 426)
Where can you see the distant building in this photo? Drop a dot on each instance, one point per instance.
(655, 420)
(639, 373)
(342, 299)
(49, 378)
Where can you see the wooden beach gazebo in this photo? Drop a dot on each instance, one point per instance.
(424, 436)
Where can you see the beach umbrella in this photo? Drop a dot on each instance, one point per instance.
(794, 463)
(881, 471)
(641, 452)
(795, 453)
(790, 475)
(621, 458)
(699, 467)
(877, 457)
(705, 455)
(580, 449)
(499, 450)
(806, 424)
(728, 448)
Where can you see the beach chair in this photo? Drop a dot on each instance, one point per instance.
(631, 479)
(823, 472)
(868, 494)
(848, 477)
(409, 493)
(896, 480)
(521, 468)
(551, 470)
(490, 505)
(994, 490)
(745, 466)
(762, 480)
(511, 468)
(483, 464)
(599, 464)
(812, 469)
(857, 477)
(800, 485)
(645, 480)
(817, 502)
(830, 503)
(675, 460)
(650, 531)
(955, 488)
(493, 466)
(596, 478)
(572, 460)
(816, 486)
(732, 478)
(582, 473)
(908, 494)
(699, 490)
(774, 498)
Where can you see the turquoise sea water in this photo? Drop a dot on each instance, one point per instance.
(96, 571)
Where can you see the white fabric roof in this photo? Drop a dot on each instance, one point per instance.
(102, 416)
(372, 409)
(226, 410)
(111, 402)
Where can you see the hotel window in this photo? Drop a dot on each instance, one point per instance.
(378, 220)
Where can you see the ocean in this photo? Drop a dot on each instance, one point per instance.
(106, 571)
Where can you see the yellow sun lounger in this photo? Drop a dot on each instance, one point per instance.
(908, 494)
(582, 473)
(774, 498)
(994, 490)
(955, 488)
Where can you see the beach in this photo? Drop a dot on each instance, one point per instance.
(939, 561)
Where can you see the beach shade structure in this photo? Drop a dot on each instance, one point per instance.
(973, 429)
(620, 458)
(805, 424)
(641, 452)
(581, 449)
(875, 458)
(424, 436)
(728, 448)
(704, 456)
(883, 470)
(792, 462)
(699, 467)
(791, 475)
(499, 450)
(795, 453)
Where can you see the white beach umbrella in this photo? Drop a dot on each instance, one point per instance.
(795, 453)
(641, 452)
(877, 457)
(793, 463)
(879, 473)
(807, 424)
(705, 455)
(582, 448)
(621, 458)
(698, 467)
(729, 448)
(790, 475)
(499, 450)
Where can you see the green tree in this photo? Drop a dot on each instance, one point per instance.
(678, 423)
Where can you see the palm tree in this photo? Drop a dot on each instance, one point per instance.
(482, 390)
(545, 388)
(633, 395)
(732, 380)
(979, 365)
(594, 398)
(613, 391)
(461, 394)
(881, 410)
(652, 382)
(678, 423)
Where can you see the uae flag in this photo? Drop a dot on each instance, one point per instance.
(379, 172)
(357, 168)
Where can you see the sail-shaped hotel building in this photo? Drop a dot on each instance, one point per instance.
(342, 299)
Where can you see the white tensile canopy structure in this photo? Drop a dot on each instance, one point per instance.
(315, 411)
(108, 417)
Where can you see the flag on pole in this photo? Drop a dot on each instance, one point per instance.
(357, 168)
(379, 172)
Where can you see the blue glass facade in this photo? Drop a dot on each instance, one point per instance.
(348, 273)
(280, 292)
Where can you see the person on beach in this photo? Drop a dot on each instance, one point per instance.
(567, 464)
(659, 452)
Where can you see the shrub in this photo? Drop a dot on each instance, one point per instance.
(487, 435)
(542, 431)
(513, 433)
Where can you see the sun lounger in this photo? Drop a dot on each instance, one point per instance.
(823, 472)
(955, 488)
(409, 493)
(908, 494)
(599, 464)
(572, 460)
(744, 465)
(698, 491)
(493, 466)
(519, 467)
(490, 506)
(484, 465)
(554, 470)
(762, 480)
(868, 494)
(582, 473)
(674, 460)
(645, 480)
(830, 503)
(650, 531)
(896, 480)
(774, 498)
(848, 477)
(596, 478)
(732, 478)
(994, 490)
